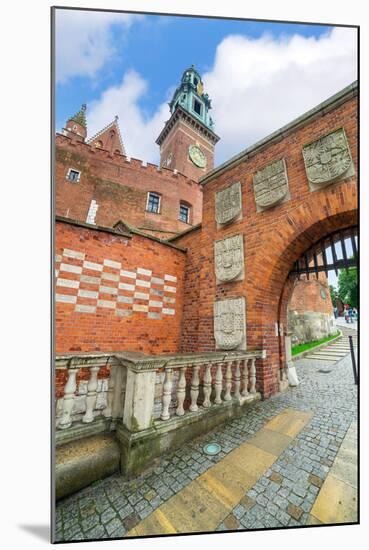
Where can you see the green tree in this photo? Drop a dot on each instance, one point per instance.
(347, 286)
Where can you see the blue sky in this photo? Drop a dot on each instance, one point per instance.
(259, 75)
(160, 48)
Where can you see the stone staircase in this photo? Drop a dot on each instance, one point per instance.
(336, 350)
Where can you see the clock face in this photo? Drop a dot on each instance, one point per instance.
(197, 156)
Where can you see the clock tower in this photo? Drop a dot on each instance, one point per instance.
(188, 139)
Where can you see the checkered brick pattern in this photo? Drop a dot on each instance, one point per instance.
(90, 286)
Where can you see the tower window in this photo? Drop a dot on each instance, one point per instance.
(153, 203)
(197, 106)
(184, 213)
(73, 175)
(195, 81)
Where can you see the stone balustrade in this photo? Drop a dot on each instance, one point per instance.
(93, 404)
(154, 402)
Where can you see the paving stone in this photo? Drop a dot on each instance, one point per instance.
(315, 480)
(130, 521)
(294, 511)
(277, 478)
(247, 502)
(231, 522)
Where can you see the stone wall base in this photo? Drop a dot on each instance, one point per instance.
(138, 450)
(80, 463)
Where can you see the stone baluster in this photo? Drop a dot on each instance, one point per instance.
(245, 378)
(194, 388)
(69, 391)
(228, 382)
(207, 386)
(218, 384)
(252, 376)
(91, 395)
(181, 391)
(107, 412)
(167, 393)
(237, 380)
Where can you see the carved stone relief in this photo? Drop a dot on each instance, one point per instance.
(271, 184)
(228, 204)
(229, 259)
(328, 159)
(230, 324)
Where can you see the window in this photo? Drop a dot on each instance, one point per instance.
(197, 106)
(184, 213)
(73, 175)
(153, 203)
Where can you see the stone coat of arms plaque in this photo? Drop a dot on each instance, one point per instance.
(328, 158)
(230, 324)
(229, 259)
(228, 204)
(271, 184)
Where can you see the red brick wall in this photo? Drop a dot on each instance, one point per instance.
(120, 189)
(306, 296)
(177, 142)
(275, 238)
(192, 284)
(107, 316)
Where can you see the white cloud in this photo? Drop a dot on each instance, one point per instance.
(258, 85)
(83, 41)
(138, 131)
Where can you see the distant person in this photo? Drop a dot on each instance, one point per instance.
(355, 313)
(350, 314)
(335, 311)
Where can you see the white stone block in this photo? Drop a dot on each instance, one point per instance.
(92, 265)
(81, 308)
(67, 282)
(70, 268)
(88, 293)
(65, 298)
(90, 280)
(155, 303)
(170, 278)
(73, 254)
(142, 271)
(145, 284)
(140, 307)
(126, 286)
(106, 303)
(170, 288)
(125, 299)
(169, 299)
(167, 311)
(108, 290)
(111, 263)
(110, 277)
(141, 295)
(129, 274)
(157, 280)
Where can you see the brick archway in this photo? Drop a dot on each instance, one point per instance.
(302, 227)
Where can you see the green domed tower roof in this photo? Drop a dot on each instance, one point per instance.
(190, 96)
(80, 117)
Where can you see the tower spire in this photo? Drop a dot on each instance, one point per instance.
(77, 124)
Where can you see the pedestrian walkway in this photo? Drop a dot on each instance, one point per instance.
(281, 464)
(337, 349)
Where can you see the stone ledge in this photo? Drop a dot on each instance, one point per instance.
(80, 463)
(78, 430)
(139, 449)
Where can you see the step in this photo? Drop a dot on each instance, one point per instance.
(322, 358)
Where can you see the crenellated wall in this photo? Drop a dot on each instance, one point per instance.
(119, 186)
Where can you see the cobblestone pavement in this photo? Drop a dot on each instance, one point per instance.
(283, 496)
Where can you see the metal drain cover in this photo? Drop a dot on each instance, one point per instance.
(212, 448)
